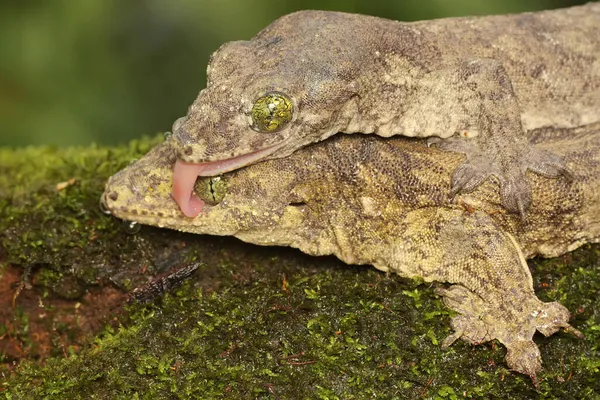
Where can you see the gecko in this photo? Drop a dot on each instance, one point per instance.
(385, 202)
(473, 85)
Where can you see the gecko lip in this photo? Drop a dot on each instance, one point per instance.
(185, 174)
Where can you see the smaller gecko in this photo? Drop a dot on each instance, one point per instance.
(384, 202)
(477, 84)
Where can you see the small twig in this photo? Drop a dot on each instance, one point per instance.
(293, 356)
(301, 362)
(270, 389)
(23, 283)
(426, 387)
(15, 345)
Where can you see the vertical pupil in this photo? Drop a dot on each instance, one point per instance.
(212, 189)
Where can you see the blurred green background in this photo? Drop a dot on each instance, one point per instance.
(106, 71)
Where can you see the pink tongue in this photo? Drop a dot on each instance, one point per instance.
(184, 178)
(185, 174)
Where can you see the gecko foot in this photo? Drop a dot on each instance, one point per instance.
(508, 165)
(468, 325)
(479, 321)
(512, 323)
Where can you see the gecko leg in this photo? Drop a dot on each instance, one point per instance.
(491, 289)
(492, 136)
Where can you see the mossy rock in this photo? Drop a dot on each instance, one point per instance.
(251, 322)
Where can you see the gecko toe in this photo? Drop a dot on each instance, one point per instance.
(515, 192)
(524, 356)
(466, 178)
(547, 164)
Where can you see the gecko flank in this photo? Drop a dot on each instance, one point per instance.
(476, 84)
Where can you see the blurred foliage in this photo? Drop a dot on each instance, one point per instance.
(73, 72)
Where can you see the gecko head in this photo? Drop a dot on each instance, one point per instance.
(341, 196)
(265, 98)
(251, 202)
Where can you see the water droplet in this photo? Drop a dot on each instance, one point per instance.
(167, 135)
(103, 208)
(131, 227)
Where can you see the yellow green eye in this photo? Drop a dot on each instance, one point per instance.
(271, 112)
(211, 190)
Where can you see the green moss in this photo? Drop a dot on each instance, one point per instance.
(257, 322)
(44, 224)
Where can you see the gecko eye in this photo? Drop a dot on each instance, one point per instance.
(211, 190)
(271, 112)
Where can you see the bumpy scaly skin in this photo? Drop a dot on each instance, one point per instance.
(387, 202)
(476, 82)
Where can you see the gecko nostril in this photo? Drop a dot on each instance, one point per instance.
(182, 134)
(188, 151)
(113, 196)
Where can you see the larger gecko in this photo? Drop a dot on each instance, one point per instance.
(476, 82)
(385, 202)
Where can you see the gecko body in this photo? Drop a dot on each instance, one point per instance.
(475, 85)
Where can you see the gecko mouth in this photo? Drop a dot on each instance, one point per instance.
(185, 174)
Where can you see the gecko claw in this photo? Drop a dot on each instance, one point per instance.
(573, 331)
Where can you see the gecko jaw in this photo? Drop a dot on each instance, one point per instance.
(185, 174)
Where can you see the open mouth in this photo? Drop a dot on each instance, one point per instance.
(185, 174)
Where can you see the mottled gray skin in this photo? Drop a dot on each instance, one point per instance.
(386, 202)
(479, 82)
